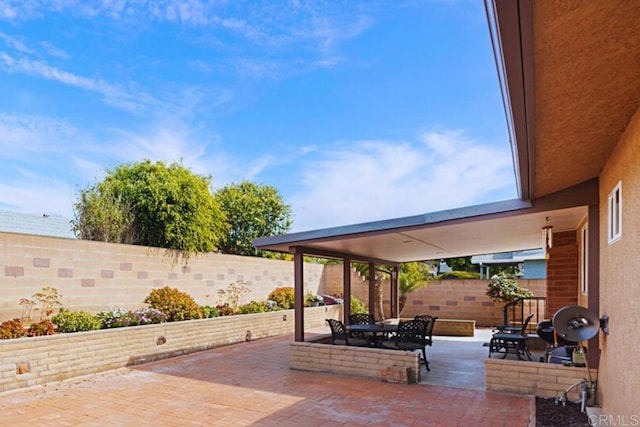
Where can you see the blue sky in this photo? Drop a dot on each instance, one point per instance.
(354, 110)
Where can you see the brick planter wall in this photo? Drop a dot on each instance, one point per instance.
(540, 379)
(26, 362)
(386, 365)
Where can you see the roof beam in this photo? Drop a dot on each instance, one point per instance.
(340, 255)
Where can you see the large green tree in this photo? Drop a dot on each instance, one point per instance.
(151, 204)
(252, 211)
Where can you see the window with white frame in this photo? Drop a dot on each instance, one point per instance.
(614, 216)
(584, 258)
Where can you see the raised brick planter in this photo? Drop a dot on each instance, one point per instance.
(358, 361)
(26, 362)
(454, 327)
(540, 379)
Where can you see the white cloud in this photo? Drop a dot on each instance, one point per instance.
(38, 195)
(20, 134)
(125, 98)
(54, 51)
(15, 43)
(375, 180)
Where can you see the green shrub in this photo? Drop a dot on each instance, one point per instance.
(174, 304)
(225, 310)
(453, 275)
(284, 297)
(252, 307)
(44, 327)
(75, 321)
(358, 306)
(10, 329)
(208, 311)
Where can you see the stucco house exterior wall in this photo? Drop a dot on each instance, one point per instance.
(620, 280)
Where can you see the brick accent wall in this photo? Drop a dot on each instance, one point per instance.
(26, 362)
(562, 272)
(540, 379)
(358, 361)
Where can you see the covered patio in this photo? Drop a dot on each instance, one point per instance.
(491, 228)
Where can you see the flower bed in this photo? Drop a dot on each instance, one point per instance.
(33, 361)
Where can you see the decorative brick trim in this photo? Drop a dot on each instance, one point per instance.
(142, 275)
(126, 266)
(106, 274)
(14, 271)
(88, 283)
(42, 262)
(65, 272)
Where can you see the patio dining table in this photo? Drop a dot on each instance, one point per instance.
(374, 329)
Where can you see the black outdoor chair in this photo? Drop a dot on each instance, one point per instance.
(361, 319)
(512, 341)
(410, 337)
(340, 336)
(431, 322)
(428, 333)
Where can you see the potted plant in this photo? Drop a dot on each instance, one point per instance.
(503, 289)
(313, 300)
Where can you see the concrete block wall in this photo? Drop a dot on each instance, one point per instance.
(450, 299)
(26, 362)
(95, 276)
(533, 378)
(345, 360)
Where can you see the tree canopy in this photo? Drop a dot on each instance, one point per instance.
(151, 204)
(251, 211)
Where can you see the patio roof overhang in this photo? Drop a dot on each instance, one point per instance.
(490, 228)
(569, 77)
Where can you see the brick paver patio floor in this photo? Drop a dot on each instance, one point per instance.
(250, 384)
